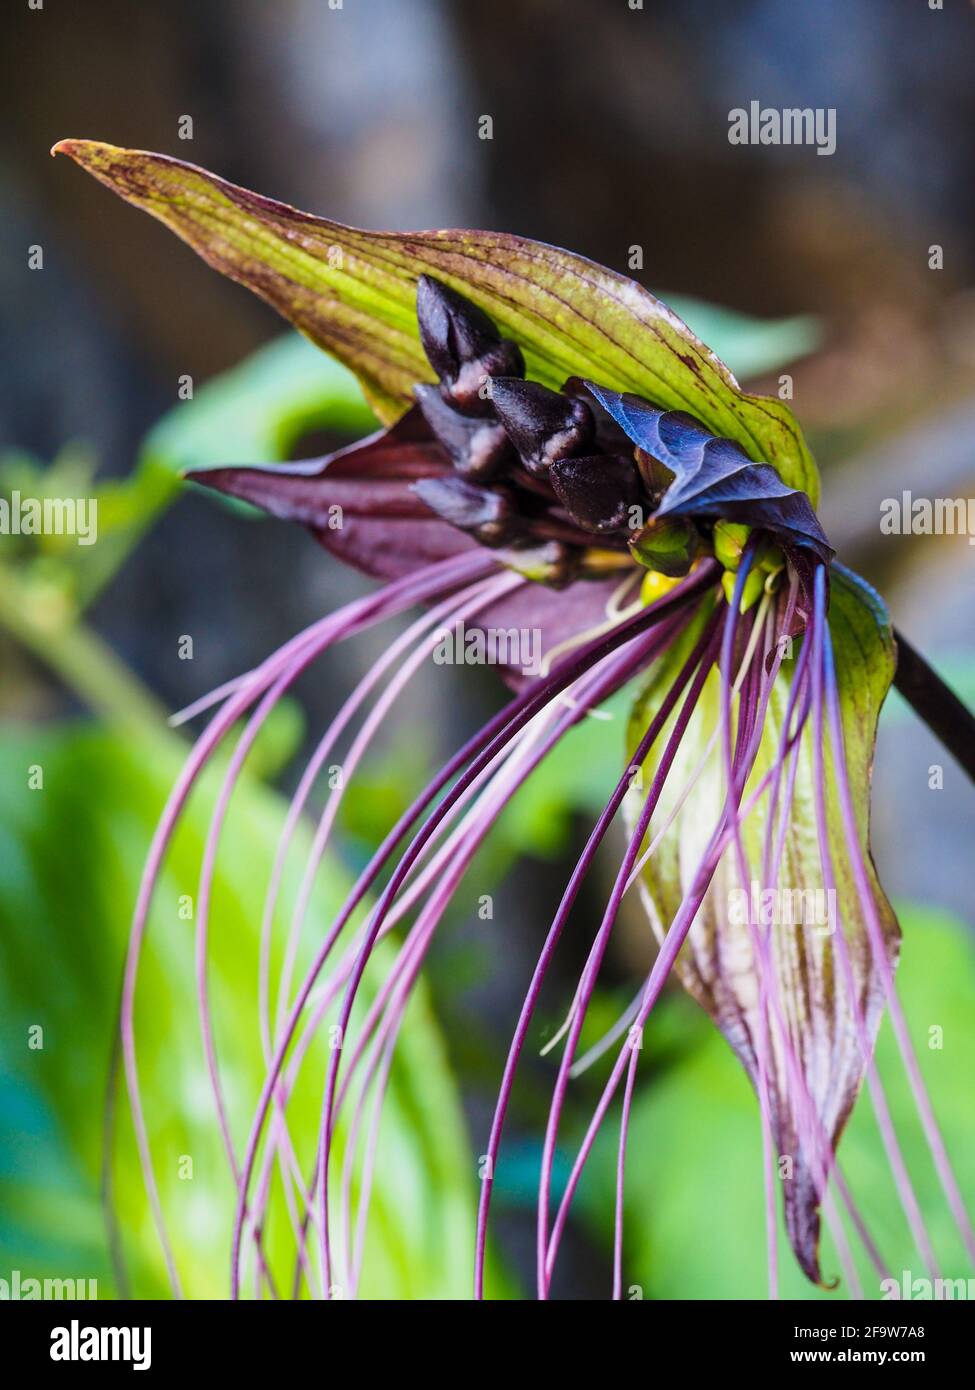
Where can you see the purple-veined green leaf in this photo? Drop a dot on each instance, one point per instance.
(353, 293)
(716, 964)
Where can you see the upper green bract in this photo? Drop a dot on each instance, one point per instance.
(353, 293)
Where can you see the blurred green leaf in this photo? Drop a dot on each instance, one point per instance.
(257, 411)
(70, 858)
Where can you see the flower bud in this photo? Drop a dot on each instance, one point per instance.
(730, 539)
(487, 515)
(655, 586)
(666, 544)
(598, 491)
(543, 425)
(752, 590)
(479, 449)
(462, 346)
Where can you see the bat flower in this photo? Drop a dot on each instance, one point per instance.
(569, 474)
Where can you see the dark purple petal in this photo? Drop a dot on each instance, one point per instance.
(598, 492)
(543, 425)
(484, 512)
(715, 478)
(479, 448)
(359, 502)
(462, 346)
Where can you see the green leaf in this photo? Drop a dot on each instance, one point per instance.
(353, 293)
(716, 964)
(71, 855)
(258, 411)
(65, 570)
(750, 346)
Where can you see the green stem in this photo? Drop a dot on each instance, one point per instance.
(80, 658)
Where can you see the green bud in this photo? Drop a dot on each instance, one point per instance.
(754, 588)
(655, 585)
(730, 539)
(666, 545)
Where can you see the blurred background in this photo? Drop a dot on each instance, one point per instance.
(610, 132)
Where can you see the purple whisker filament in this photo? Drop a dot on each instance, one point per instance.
(415, 873)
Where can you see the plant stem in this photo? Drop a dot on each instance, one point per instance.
(934, 702)
(86, 664)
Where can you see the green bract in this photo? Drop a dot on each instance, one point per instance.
(711, 961)
(353, 293)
